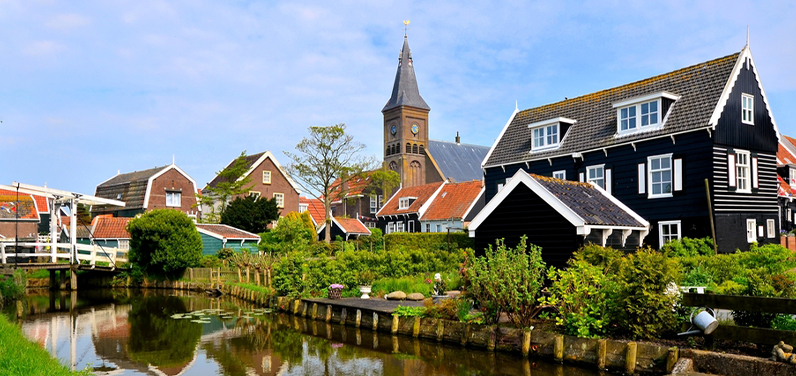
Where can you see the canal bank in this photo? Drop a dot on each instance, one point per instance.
(20, 357)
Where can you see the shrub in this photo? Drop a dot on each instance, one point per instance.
(582, 295)
(427, 241)
(455, 309)
(210, 261)
(12, 287)
(606, 258)
(164, 242)
(408, 311)
(224, 254)
(289, 275)
(292, 233)
(643, 307)
(689, 247)
(507, 280)
(250, 213)
(759, 284)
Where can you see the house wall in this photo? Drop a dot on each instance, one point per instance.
(172, 180)
(211, 245)
(279, 184)
(455, 225)
(787, 208)
(26, 229)
(523, 212)
(412, 218)
(354, 206)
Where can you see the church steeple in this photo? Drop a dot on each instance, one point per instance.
(404, 89)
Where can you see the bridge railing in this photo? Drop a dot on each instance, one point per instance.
(85, 252)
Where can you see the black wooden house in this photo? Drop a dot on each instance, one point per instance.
(652, 145)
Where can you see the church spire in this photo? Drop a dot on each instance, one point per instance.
(404, 90)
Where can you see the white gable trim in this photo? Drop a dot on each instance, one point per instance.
(500, 136)
(746, 53)
(161, 172)
(428, 202)
(218, 236)
(472, 204)
(344, 230)
(266, 155)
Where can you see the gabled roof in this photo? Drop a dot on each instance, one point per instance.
(421, 193)
(453, 201)
(584, 205)
(315, 208)
(404, 89)
(26, 207)
(701, 89)
(111, 228)
(355, 186)
(784, 189)
(83, 232)
(350, 226)
(457, 161)
(784, 155)
(252, 161)
(226, 232)
(133, 187)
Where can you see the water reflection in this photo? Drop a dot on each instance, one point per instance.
(128, 332)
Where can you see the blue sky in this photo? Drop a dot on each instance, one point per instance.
(91, 87)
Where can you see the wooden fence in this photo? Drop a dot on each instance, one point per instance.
(260, 277)
(749, 304)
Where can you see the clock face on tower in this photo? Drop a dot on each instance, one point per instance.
(392, 129)
(415, 128)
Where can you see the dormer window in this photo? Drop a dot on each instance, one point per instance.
(642, 113)
(405, 202)
(547, 134)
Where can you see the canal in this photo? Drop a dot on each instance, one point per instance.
(163, 332)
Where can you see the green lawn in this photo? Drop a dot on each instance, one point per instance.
(21, 357)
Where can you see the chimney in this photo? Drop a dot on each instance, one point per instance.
(458, 139)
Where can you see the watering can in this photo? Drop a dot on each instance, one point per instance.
(705, 322)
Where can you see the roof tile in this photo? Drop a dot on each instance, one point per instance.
(227, 232)
(453, 201)
(421, 192)
(111, 228)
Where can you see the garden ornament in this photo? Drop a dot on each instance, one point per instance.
(783, 352)
(704, 321)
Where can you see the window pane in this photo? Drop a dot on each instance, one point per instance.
(654, 106)
(645, 108)
(645, 120)
(632, 111)
(624, 125)
(655, 164)
(654, 118)
(624, 113)
(632, 123)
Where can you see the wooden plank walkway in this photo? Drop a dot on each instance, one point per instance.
(372, 304)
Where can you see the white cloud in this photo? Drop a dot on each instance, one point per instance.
(43, 47)
(68, 21)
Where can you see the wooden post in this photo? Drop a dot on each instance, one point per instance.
(190, 274)
(359, 319)
(314, 311)
(490, 345)
(465, 335)
(296, 305)
(526, 341)
(53, 280)
(73, 276)
(219, 276)
(375, 323)
(343, 316)
(394, 328)
(602, 350)
(630, 357)
(440, 329)
(558, 348)
(416, 327)
(247, 274)
(710, 215)
(672, 358)
(304, 310)
(20, 308)
(328, 313)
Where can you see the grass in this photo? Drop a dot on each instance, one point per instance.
(417, 283)
(19, 356)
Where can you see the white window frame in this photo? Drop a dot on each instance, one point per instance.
(173, 199)
(374, 204)
(743, 172)
(428, 227)
(560, 174)
(679, 234)
(404, 202)
(399, 226)
(123, 244)
(748, 109)
(771, 228)
(439, 228)
(651, 171)
(639, 117)
(589, 179)
(303, 207)
(266, 177)
(280, 199)
(548, 135)
(751, 230)
(792, 177)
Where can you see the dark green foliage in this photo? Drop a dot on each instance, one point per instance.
(582, 293)
(507, 280)
(407, 311)
(289, 275)
(427, 240)
(225, 253)
(250, 213)
(686, 247)
(643, 307)
(156, 338)
(210, 261)
(292, 234)
(606, 258)
(12, 287)
(232, 182)
(164, 242)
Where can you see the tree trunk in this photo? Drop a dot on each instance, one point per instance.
(240, 279)
(247, 274)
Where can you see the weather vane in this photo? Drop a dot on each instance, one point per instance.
(406, 24)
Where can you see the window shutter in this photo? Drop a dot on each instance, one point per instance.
(754, 172)
(608, 180)
(642, 177)
(731, 170)
(678, 175)
(581, 177)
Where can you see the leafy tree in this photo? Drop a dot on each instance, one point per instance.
(232, 183)
(164, 242)
(327, 154)
(383, 180)
(250, 213)
(293, 232)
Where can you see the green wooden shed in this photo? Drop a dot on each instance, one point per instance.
(216, 237)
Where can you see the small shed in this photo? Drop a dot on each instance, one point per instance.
(345, 228)
(217, 236)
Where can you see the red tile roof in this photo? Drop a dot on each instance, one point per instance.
(352, 226)
(784, 188)
(784, 155)
(227, 232)
(421, 192)
(355, 186)
(315, 207)
(42, 203)
(111, 228)
(9, 209)
(453, 201)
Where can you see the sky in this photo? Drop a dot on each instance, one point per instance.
(90, 88)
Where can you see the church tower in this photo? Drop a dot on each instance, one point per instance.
(406, 124)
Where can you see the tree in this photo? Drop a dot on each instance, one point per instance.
(293, 233)
(232, 182)
(327, 154)
(250, 213)
(384, 179)
(164, 242)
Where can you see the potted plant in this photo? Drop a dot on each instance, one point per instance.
(366, 279)
(335, 289)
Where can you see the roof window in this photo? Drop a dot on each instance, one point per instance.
(641, 114)
(548, 134)
(405, 202)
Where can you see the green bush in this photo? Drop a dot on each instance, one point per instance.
(164, 242)
(13, 287)
(689, 247)
(582, 294)
(607, 258)
(289, 275)
(428, 241)
(758, 284)
(409, 311)
(644, 309)
(210, 261)
(224, 254)
(250, 213)
(507, 280)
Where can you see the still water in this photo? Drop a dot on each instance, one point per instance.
(143, 332)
